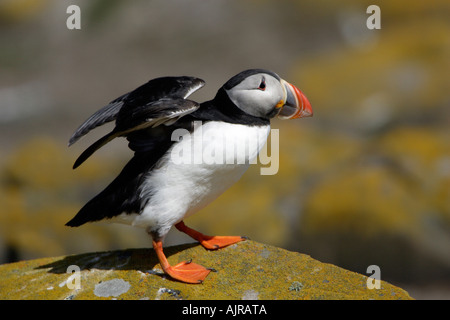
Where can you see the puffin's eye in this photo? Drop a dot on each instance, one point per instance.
(262, 85)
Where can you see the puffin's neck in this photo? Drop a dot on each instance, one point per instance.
(221, 108)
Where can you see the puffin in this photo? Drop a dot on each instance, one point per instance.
(186, 154)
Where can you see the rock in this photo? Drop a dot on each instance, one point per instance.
(245, 271)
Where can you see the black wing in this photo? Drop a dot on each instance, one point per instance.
(155, 89)
(159, 101)
(139, 116)
(164, 111)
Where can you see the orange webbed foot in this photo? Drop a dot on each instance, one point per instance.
(188, 272)
(209, 242)
(185, 271)
(217, 242)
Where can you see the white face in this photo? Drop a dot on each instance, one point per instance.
(259, 95)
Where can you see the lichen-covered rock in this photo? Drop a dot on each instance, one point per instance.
(248, 270)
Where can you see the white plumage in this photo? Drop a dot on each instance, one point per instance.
(177, 190)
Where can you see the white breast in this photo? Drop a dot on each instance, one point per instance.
(196, 171)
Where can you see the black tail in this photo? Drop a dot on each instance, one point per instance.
(76, 221)
(95, 210)
(120, 196)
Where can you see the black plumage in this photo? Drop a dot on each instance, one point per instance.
(152, 91)
(140, 116)
(154, 190)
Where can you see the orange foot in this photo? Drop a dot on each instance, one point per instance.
(188, 272)
(185, 271)
(209, 242)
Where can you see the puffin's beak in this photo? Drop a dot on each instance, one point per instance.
(296, 105)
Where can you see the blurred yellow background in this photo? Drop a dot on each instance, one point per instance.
(366, 181)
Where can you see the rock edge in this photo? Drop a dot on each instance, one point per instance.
(245, 271)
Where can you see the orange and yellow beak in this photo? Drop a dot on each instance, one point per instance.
(296, 104)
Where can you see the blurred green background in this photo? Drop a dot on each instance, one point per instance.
(366, 181)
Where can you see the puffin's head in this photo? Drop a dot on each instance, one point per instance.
(264, 94)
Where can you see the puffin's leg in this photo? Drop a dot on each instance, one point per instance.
(185, 271)
(209, 242)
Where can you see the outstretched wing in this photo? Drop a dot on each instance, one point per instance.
(155, 89)
(131, 119)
